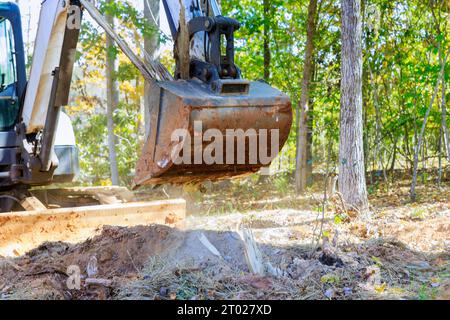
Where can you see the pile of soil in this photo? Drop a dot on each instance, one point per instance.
(401, 251)
(117, 255)
(118, 252)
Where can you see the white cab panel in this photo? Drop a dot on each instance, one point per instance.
(46, 57)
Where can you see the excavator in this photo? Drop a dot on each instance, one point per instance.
(37, 140)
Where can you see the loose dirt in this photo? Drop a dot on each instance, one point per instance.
(399, 252)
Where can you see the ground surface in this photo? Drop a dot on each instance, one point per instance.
(400, 251)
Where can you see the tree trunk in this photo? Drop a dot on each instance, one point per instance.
(352, 180)
(394, 158)
(439, 180)
(445, 134)
(112, 102)
(302, 137)
(378, 155)
(309, 143)
(310, 134)
(197, 47)
(151, 44)
(267, 53)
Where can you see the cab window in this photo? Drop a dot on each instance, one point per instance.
(9, 106)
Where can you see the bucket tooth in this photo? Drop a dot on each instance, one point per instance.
(194, 108)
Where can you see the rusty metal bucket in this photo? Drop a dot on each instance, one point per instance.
(195, 108)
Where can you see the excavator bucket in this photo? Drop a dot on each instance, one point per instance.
(200, 132)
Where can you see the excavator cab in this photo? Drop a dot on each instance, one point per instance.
(13, 84)
(210, 124)
(12, 71)
(8, 85)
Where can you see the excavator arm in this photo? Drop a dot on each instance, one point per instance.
(209, 124)
(207, 88)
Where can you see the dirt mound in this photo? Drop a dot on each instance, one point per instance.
(111, 259)
(115, 254)
(118, 251)
(227, 243)
(390, 260)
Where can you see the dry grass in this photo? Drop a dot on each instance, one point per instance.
(401, 251)
(380, 260)
(164, 279)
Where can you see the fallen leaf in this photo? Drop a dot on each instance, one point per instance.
(173, 296)
(435, 282)
(330, 278)
(260, 283)
(398, 291)
(380, 288)
(377, 261)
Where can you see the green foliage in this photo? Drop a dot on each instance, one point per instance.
(418, 214)
(403, 43)
(426, 293)
(89, 105)
(93, 145)
(94, 154)
(401, 67)
(282, 184)
(330, 278)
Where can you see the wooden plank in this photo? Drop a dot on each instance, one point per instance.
(183, 46)
(23, 231)
(32, 204)
(65, 197)
(101, 193)
(98, 282)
